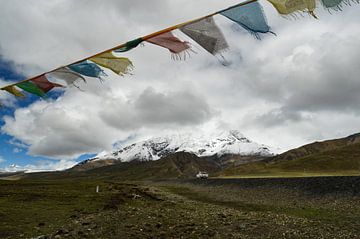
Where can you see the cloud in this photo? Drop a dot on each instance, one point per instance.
(42, 166)
(17, 144)
(315, 77)
(2, 160)
(17, 150)
(67, 128)
(158, 109)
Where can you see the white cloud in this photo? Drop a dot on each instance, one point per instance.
(42, 166)
(2, 160)
(82, 122)
(283, 91)
(17, 150)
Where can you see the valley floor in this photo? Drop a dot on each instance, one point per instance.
(326, 207)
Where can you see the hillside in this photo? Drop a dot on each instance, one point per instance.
(334, 157)
(317, 147)
(177, 165)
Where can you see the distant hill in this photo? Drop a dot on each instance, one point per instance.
(317, 147)
(334, 157)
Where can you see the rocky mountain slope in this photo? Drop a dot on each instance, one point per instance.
(177, 165)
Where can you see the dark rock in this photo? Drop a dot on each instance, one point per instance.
(158, 225)
(41, 224)
(62, 232)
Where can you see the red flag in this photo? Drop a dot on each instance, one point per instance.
(43, 83)
(170, 42)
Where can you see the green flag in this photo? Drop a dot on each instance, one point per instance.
(31, 88)
(130, 45)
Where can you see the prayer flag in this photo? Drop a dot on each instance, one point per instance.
(86, 68)
(250, 16)
(119, 65)
(207, 34)
(14, 91)
(43, 83)
(129, 45)
(170, 42)
(286, 7)
(66, 75)
(333, 4)
(31, 88)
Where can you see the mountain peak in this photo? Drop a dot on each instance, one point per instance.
(200, 144)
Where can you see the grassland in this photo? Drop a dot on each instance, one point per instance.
(241, 208)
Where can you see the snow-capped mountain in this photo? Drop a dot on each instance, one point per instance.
(227, 142)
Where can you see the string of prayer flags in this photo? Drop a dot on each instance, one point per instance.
(12, 90)
(44, 84)
(286, 7)
(67, 75)
(207, 34)
(130, 45)
(250, 16)
(30, 87)
(204, 31)
(119, 65)
(87, 69)
(172, 43)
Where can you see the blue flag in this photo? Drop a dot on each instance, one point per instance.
(87, 69)
(250, 16)
(333, 4)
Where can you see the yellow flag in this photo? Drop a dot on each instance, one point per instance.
(14, 91)
(119, 65)
(286, 7)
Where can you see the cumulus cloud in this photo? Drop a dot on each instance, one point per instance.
(155, 108)
(68, 128)
(314, 77)
(299, 86)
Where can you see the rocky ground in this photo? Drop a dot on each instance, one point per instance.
(241, 208)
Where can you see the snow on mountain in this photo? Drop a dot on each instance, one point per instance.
(227, 142)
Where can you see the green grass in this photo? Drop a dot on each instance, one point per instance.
(24, 205)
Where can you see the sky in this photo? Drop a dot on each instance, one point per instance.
(284, 91)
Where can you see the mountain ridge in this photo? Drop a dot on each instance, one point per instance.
(219, 145)
(317, 147)
(330, 157)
